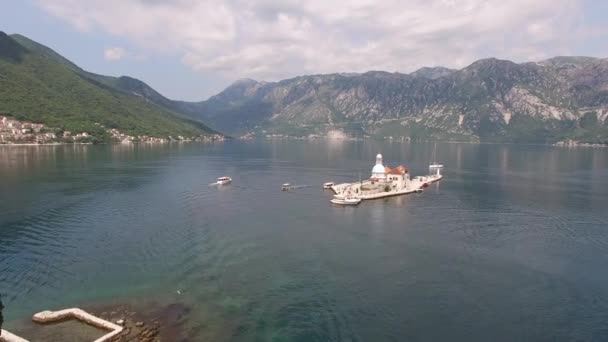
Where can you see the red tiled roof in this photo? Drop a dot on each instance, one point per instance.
(399, 170)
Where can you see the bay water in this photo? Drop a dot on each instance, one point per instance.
(511, 245)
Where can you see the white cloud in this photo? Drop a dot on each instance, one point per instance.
(273, 39)
(114, 53)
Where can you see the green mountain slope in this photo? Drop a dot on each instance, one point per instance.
(39, 85)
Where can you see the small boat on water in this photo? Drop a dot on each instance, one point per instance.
(346, 200)
(285, 186)
(224, 180)
(435, 167)
(435, 172)
(328, 185)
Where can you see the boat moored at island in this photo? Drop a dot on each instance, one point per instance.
(328, 185)
(386, 182)
(345, 200)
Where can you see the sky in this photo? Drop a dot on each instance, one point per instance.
(190, 50)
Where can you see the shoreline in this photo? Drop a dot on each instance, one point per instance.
(556, 144)
(150, 321)
(116, 143)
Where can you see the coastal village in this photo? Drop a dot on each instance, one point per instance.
(13, 131)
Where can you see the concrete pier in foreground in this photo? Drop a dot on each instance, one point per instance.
(81, 315)
(6, 336)
(45, 317)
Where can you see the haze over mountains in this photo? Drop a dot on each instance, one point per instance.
(489, 100)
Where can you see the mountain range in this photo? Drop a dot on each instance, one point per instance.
(492, 100)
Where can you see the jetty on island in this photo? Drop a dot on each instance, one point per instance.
(386, 182)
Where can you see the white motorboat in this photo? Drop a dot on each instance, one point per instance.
(285, 186)
(224, 180)
(328, 185)
(346, 200)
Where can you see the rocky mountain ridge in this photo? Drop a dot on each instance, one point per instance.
(489, 100)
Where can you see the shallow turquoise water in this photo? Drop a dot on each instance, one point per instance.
(511, 245)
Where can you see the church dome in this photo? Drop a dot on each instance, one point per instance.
(378, 170)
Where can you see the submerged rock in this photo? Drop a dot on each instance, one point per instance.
(149, 323)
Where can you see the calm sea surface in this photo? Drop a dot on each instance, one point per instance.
(511, 246)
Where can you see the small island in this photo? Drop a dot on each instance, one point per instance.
(385, 182)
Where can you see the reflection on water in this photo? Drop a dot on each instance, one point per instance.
(512, 243)
(376, 217)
